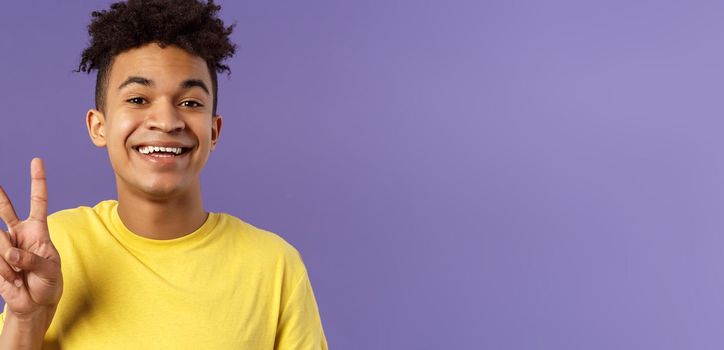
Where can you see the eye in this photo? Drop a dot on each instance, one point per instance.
(136, 100)
(191, 103)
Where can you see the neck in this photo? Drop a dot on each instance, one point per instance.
(162, 218)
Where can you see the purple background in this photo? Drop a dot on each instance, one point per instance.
(456, 174)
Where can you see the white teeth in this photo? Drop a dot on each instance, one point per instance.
(152, 149)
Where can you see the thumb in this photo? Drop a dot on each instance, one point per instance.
(25, 260)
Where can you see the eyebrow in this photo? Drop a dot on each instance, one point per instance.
(189, 83)
(136, 80)
(186, 84)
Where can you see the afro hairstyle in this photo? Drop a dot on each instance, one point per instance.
(188, 24)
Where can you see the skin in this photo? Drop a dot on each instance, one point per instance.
(154, 201)
(31, 282)
(154, 95)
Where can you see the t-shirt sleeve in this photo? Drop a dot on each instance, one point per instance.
(2, 316)
(300, 326)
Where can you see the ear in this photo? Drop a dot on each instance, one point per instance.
(96, 122)
(216, 122)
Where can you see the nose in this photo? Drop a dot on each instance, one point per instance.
(165, 117)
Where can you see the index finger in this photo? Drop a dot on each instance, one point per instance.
(38, 191)
(7, 212)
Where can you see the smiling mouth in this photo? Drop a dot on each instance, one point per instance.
(162, 152)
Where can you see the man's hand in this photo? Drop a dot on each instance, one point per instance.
(31, 282)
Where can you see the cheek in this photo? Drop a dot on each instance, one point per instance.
(118, 130)
(203, 132)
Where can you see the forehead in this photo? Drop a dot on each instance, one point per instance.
(168, 65)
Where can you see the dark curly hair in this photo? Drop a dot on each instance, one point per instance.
(188, 24)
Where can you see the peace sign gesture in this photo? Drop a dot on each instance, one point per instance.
(30, 264)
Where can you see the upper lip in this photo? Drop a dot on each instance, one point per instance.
(162, 144)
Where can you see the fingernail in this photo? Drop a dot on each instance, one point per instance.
(18, 283)
(14, 256)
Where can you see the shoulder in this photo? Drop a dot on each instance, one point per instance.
(82, 212)
(255, 236)
(80, 215)
(259, 241)
(63, 222)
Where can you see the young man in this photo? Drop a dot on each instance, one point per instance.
(152, 270)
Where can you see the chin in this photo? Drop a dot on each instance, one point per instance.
(156, 187)
(162, 193)
(163, 190)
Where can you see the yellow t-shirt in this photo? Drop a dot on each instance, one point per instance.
(228, 285)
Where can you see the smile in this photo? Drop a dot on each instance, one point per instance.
(160, 153)
(156, 150)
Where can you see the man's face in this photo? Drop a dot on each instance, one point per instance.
(157, 97)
